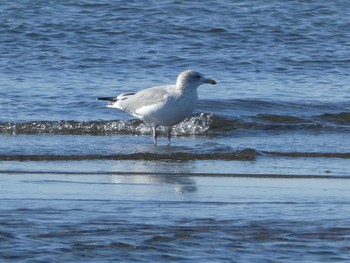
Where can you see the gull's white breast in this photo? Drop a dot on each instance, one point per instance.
(170, 111)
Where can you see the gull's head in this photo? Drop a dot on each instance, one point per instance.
(191, 79)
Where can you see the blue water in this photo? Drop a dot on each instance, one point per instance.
(54, 68)
(280, 108)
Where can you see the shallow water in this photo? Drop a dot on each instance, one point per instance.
(145, 217)
(259, 172)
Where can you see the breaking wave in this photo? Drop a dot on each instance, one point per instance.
(198, 124)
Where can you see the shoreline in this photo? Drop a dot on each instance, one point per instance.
(103, 185)
(262, 166)
(174, 174)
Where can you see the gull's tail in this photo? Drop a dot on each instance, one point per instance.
(112, 99)
(122, 96)
(115, 101)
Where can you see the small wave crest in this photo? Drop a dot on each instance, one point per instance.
(195, 125)
(198, 124)
(239, 155)
(242, 155)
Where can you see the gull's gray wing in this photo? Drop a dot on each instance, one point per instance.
(146, 97)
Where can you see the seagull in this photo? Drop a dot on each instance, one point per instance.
(162, 105)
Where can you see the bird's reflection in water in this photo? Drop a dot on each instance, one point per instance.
(157, 173)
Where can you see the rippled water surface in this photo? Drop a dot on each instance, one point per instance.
(258, 173)
(147, 217)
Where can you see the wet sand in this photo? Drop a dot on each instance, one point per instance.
(143, 217)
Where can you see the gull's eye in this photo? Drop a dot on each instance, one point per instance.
(197, 76)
